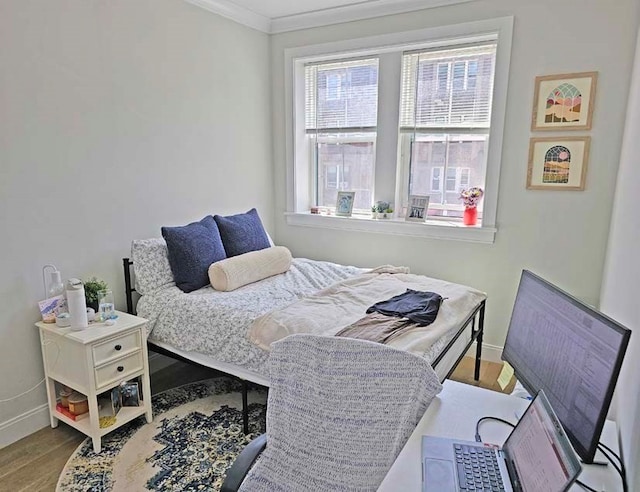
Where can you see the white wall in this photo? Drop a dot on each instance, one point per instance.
(116, 117)
(559, 235)
(620, 287)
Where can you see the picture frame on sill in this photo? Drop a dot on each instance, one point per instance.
(344, 203)
(558, 163)
(564, 102)
(417, 208)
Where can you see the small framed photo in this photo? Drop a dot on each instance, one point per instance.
(50, 308)
(344, 204)
(564, 102)
(116, 401)
(129, 394)
(558, 163)
(417, 208)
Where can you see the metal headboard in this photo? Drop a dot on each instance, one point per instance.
(129, 288)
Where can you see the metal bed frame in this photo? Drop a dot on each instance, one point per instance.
(477, 331)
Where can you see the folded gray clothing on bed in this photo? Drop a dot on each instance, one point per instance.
(419, 306)
(377, 327)
(389, 319)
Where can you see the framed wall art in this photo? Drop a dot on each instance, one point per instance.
(344, 203)
(564, 102)
(417, 208)
(558, 163)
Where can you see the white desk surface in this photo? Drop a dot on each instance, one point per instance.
(454, 413)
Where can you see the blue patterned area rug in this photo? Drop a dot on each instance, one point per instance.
(195, 436)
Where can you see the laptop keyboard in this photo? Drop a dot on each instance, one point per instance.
(477, 468)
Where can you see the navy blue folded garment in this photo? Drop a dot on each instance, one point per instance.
(418, 306)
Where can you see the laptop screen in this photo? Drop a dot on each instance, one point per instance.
(538, 453)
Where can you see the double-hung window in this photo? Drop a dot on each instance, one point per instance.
(445, 123)
(341, 110)
(399, 115)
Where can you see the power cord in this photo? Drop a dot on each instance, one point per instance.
(585, 486)
(605, 450)
(620, 469)
(498, 419)
(48, 342)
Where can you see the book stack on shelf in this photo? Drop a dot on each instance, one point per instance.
(65, 411)
(72, 404)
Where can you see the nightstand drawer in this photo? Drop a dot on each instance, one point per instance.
(116, 347)
(118, 369)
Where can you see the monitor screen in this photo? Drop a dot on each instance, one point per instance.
(571, 351)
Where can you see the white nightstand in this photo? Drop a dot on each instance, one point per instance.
(93, 361)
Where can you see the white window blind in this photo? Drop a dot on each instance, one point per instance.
(341, 96)
(449, 88)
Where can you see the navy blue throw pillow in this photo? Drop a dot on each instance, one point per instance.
(192, 249)
(242, 233)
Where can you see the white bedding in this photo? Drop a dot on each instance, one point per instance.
(215, 323)
(332, 309)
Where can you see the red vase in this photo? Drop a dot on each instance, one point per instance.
(470, 216)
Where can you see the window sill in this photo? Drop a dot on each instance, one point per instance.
(435, 229)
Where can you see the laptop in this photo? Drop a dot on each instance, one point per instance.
(536, 457)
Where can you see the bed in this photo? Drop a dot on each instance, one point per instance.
(210, 328)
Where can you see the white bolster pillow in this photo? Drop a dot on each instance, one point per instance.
(234, 272)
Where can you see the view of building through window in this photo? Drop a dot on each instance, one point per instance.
(445, 114)
(445, 119)
(341, 117)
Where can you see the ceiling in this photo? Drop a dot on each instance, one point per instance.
(273, 16)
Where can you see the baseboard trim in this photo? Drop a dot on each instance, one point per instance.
(491, 353)
(23, 425)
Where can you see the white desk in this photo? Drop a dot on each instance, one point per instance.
(454, 413)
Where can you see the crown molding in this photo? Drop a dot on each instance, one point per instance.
(318, 18)
(358, 11)
(236, 13)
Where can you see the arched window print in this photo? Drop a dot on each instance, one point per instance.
(556, 165)
(563, 104)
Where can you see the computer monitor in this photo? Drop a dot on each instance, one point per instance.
(571, 351)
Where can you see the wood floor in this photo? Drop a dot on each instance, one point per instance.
(35, 462)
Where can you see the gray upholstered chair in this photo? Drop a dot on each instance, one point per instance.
(339, 412)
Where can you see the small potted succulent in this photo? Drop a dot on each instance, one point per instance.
(383, 209)
(92, 289)
(374, 212)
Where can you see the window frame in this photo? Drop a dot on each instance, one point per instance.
(299, 176)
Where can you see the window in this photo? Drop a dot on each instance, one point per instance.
(456, 179)
(341, 111)
(441, 94)
(455, 121)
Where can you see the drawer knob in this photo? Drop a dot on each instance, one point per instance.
(120, 368)
(118, 347)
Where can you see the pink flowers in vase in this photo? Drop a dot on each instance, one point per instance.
(471, 197)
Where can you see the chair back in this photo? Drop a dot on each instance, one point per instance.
(339, 412)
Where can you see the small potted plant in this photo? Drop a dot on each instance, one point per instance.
(387, 212)
(92, 289)
(381, 208)
(374, 212)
